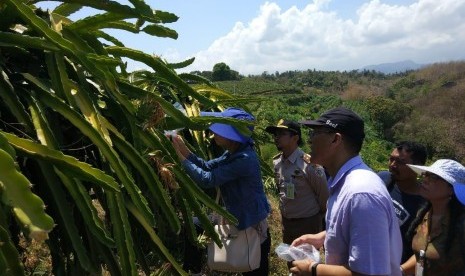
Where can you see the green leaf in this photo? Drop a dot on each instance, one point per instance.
(68, 163)
(83, 201)
(108, 37)
(142, 7)
(162, 69)
(60, 82)
(9, 257)
(160, 31)
(98, 21)
(182, 64)
(85, 127)
(166, 17)
(38, 24)
(25, 41)
(28, 208)
(66, 9)
(128, 12)
(169, 109)
(74, 186)
(106, 5)
(153, 235)
(152, 181)
(12, 101)
(104, 60)
(67, 223)
(122, 233)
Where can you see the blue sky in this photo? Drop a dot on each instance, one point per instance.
(253, 36)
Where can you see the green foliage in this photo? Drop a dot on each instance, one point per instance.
(222, 72)
(87, 142)
(435, 97)
(423, 106)
(86, 139)
(249, 86)
(386, 112)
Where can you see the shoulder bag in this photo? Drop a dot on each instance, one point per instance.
(240, 251)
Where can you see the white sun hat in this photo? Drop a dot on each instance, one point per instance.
(451, 171)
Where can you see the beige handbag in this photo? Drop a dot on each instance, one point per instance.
(240, 252)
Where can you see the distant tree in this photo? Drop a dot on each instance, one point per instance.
(221, 72)
(235, 75)
(386, 112)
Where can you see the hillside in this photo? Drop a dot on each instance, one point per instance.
(394, 67)
(425, 105)
(436, 96)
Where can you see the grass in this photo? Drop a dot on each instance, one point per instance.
(277, 265)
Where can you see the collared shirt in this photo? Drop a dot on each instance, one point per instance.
(362, 230)
(437, 261)
(310, 188)
(238, 176)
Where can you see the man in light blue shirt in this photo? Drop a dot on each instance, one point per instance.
(362, 234)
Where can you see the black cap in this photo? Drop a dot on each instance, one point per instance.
(342, 120)
(285, 125)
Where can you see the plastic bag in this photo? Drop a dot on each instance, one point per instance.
(300, 252)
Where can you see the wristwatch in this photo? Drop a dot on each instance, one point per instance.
(313, 268)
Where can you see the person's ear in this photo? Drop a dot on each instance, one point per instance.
(295, 138)
(337, 138)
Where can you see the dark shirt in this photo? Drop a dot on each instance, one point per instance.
(406, 207)
(438, 262)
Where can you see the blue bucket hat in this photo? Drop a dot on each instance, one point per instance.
(228, 131)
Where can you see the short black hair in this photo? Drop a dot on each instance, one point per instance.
(418, 151)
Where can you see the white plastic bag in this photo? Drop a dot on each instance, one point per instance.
(300, 252)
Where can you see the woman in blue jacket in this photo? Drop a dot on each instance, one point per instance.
(237, 173)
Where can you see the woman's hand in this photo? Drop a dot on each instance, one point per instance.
(180, 147)
(408, 268)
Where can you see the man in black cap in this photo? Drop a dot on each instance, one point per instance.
(362, 234)
(303, 191)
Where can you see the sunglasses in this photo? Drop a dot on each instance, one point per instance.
(312, 133)
(431, 176)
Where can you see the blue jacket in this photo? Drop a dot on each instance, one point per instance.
(239, 178)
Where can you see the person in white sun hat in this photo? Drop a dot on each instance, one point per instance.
(439, 229)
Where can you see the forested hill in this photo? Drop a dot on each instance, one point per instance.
(427, 105)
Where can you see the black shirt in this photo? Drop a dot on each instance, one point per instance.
(406, 207)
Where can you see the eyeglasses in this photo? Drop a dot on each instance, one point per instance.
(431, 176)
(312, 133)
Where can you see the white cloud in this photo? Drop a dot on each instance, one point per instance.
(314, 37)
